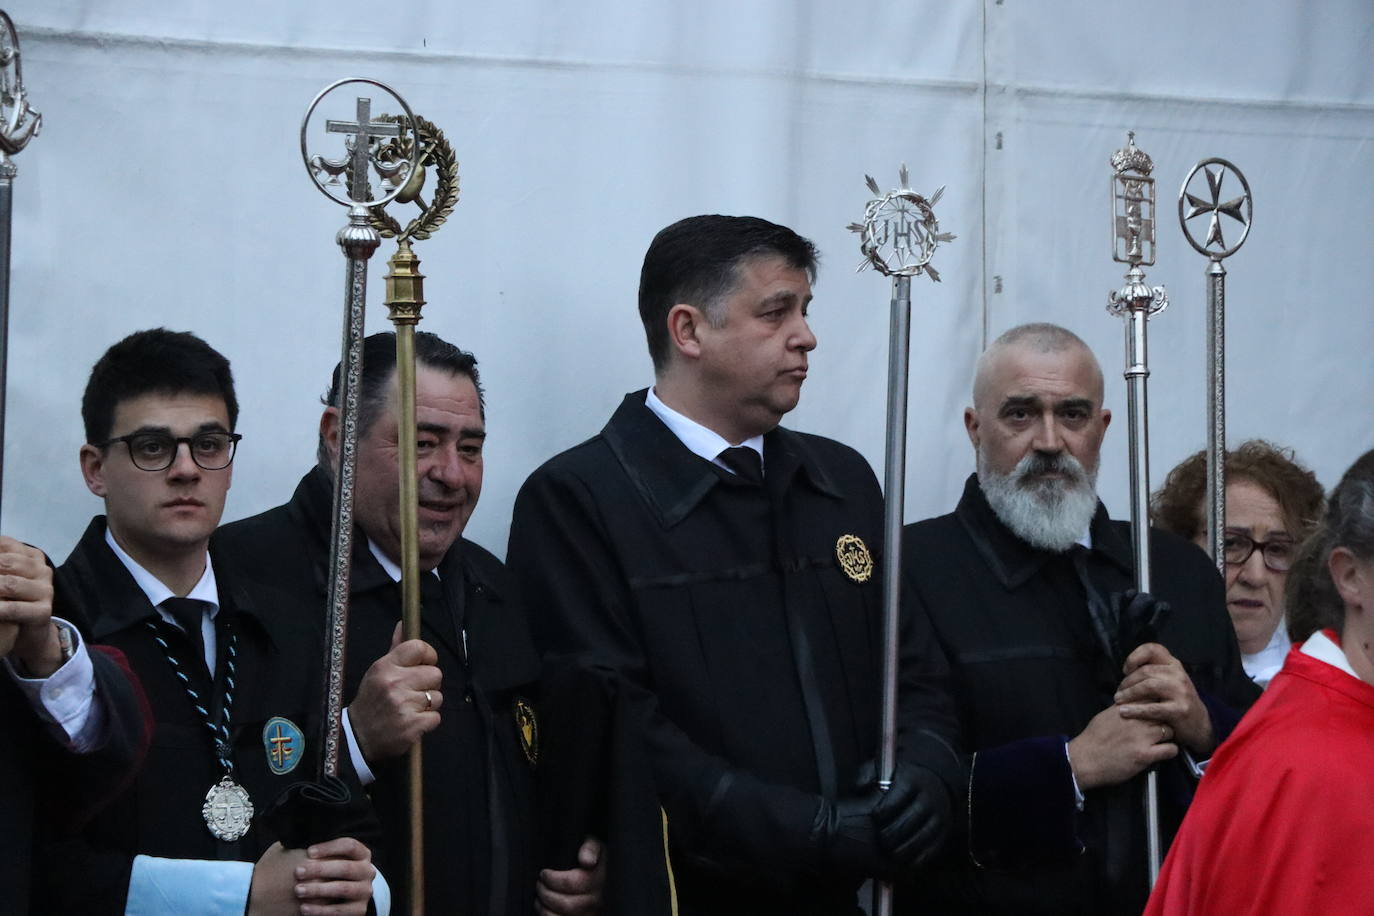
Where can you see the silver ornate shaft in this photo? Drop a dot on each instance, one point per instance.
(1216, 400)
(7, 173)
(894, 491)
(1213, 204)
(358, 240)
(1137, 375)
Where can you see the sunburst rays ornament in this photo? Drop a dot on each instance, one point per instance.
(900, 233)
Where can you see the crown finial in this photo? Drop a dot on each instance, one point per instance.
(1131, 158)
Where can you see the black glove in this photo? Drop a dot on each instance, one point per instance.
(913, 817)
(1139, 618)
(846, 835)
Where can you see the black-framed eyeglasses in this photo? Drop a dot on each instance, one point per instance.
(211, 451)
(1278, 554)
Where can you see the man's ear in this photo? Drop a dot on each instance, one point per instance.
(971, 425)
(93, 469)
(329, 433)
(1106, 417)
(684, 326)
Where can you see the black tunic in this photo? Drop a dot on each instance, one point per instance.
(159, 814)
(478, 782)
(71, 786)
(755, 656)
(1027, 673)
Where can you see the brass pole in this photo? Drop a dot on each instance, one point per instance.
(404, 298)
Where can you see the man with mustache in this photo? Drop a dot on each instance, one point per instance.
(723, 568)
(1068, 686)
(465, 687)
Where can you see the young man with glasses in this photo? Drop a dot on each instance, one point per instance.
(231, 679)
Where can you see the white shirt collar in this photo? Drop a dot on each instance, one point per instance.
(1264, 664)
(1320, 647)
(699, 440)
(392, 569)
(205, 590)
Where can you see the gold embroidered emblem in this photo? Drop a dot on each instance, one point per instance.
(529, 729)
(854, 557)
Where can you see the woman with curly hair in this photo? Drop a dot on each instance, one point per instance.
(1282, 822)
(1272, 504)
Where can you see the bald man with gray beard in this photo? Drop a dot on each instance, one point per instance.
(1068, 685)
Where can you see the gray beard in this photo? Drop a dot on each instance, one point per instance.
(1051, 514)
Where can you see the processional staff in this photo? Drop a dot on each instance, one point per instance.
(363, 137)
(19, 124)
(405, 297)
(898, 237)
(1133, 243)
(1215, 249)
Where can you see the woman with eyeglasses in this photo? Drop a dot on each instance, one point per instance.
(1272, 504)
(1282, 823)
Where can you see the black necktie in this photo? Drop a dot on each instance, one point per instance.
(188, 613)
(745, 462)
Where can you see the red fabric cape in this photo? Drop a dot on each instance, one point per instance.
(1283, 821)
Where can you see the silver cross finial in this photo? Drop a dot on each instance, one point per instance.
(361, 131)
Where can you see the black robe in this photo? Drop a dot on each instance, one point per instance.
(478, 779)
(1028, 673)
(754, 656)
(159, 814)
(72, 787)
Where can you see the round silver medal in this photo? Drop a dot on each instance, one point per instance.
(228, 811)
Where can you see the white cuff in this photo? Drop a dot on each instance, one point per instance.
(1077, 792)
(381, 895)
(1197, 768)
(188, 887)
(355, 753)
(65, 699)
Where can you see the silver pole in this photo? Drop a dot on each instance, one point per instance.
(19, 124)
(1208, 202)
(358, 240)
(1133, 225)
(7, 173)
(899, 236)
(894, 491)
(1137, 375)
(1216, 402)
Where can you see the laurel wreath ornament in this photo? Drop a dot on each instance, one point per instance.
(435, 151)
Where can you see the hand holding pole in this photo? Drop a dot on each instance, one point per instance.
(898, 237)
(349, 180)
(1133, 237)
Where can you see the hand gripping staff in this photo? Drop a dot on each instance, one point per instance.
(898, 237)
(368, 176)
(1133, 243)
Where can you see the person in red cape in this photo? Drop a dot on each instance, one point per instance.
(1282, 821)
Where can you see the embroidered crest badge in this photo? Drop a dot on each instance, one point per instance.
(529, 729)
(854, 557)
(285, 744)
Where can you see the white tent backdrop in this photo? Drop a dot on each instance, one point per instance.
(167, 189)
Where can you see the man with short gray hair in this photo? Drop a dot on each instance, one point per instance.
(1069, 685)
